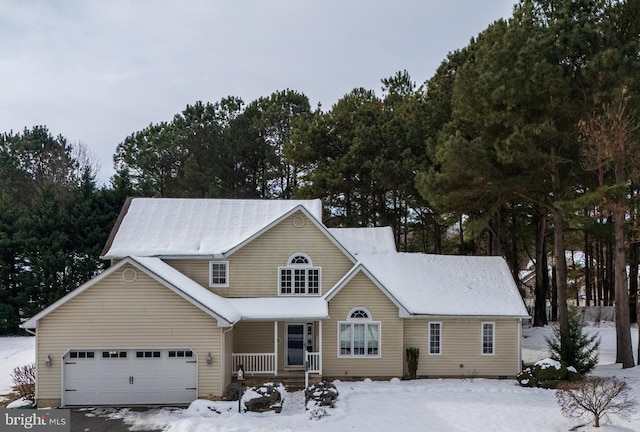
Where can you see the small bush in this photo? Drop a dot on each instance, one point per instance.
(322, 394)
(412, 361)
(602, 398)
(24, 381)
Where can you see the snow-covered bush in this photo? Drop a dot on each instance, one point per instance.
(265, 397)
(547, 373)
(601, 398)
(322, 394)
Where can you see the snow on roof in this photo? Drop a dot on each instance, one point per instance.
(447, 284)
(175, 227)
(192, 290)
(365, 240)
(270, 308)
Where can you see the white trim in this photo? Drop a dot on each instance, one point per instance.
(309, 262)
(403, 312)
(311, 217)
(493, 338)
(306, 268)
(226, 274)
(358, 308)
(286, 344)
(222, 321)
(439, 323)
(366, 322)
(275, 346)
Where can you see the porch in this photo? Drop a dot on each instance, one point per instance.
(286, 350)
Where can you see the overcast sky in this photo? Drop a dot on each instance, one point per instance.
(97, 71)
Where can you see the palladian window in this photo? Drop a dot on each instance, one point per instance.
(299, 277)
(359, 335)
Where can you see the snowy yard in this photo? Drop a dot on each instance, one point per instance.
(473, 405)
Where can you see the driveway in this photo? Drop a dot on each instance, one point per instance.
(100, 420)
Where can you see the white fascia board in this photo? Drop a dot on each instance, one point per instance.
(403, 312)
(222, 321)
(313, 220)
(32, 322)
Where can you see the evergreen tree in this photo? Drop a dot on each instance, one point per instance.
(582, 350)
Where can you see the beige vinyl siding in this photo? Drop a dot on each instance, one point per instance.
(254, 337)
(253, 269)
(114, 314)
(461, 347)
(362, 292)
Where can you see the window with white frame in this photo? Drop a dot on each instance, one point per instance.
(435, 338)
(299, 277)
(359, 335)
(488, 338)
(219, 274)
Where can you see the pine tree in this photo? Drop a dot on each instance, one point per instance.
(582, 352)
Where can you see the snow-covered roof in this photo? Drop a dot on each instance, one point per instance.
(448, 285)
(278, 308)
(365, 240)
(181, 227)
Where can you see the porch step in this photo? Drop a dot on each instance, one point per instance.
(291, 382)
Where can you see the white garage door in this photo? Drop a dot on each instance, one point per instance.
(129, 377)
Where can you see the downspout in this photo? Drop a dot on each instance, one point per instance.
(223, 350)
(519, 367)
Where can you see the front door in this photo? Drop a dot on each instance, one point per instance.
(299, 340)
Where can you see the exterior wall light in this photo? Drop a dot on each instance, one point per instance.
(47, 361)
(209, 359)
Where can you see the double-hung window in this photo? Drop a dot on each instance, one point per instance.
(435, 338)
(359, 335)
(488, 338)
(219, 274)
(299, 277)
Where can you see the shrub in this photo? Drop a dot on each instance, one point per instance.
(412, 361)
(601, 398)
(582, 352)
(24, 381)
(265, 397)
(322, 394)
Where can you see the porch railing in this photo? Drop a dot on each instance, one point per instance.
(314, 362)
(254, 363)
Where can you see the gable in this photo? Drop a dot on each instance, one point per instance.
(112, 302)
(126, 273)
(253, 268)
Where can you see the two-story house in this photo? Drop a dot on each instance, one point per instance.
(199, 287)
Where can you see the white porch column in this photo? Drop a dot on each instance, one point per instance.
(275, 346)
(320, 345)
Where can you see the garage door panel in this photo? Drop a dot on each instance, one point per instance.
(127, 377)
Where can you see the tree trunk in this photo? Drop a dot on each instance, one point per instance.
(542, 272)
(561, 263)
(624, 349)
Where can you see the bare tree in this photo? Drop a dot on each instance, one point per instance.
(602, 398)
(608, 146)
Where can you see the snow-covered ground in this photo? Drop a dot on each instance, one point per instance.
(14, 351)
(473, 405)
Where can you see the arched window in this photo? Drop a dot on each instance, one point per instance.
(359, 335)
(299, 277)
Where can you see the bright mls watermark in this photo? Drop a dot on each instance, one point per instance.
(51, 420)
